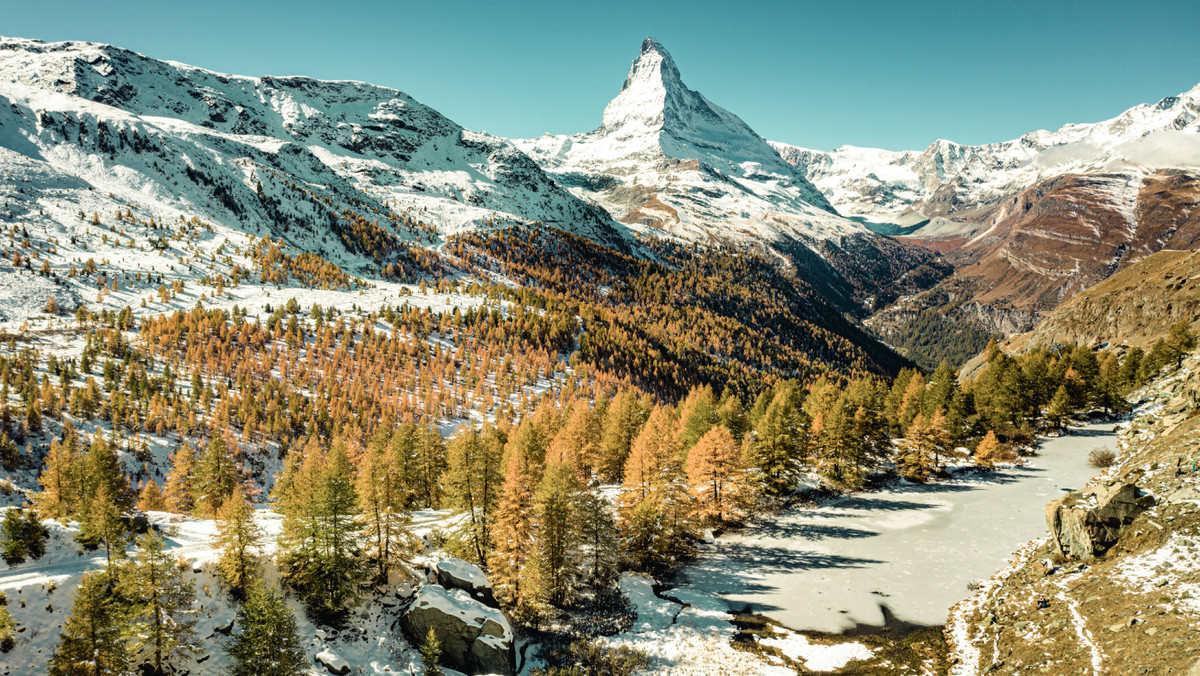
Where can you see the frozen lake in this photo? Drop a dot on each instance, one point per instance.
(910, 549)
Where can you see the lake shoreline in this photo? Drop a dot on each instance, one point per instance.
(801, 556)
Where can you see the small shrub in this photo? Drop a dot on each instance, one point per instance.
(1102, 457)
(587, 658)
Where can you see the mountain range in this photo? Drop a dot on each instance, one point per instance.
(1029, 222)
(989, 235)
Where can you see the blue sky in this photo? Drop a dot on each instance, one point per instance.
(891, 74)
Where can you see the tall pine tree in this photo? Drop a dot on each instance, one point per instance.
(163, 595)
(717, 477)
(267, 643)
(239, 540)
(92, 640)
(473, 483)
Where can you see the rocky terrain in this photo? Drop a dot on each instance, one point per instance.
(1029, 222)
(99, 127)
(938, 192)
(1054, 239)
(1135, 307)
(1115, 586)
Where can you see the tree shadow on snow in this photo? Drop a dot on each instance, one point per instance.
(792, 530)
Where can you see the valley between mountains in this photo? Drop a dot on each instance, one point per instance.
(302, 377)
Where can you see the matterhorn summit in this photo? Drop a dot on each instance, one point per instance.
(667, 158)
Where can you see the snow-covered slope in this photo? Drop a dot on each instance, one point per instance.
(668, 158)
(952, 180)
(182, 140)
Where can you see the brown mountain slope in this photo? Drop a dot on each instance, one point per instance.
(1136, 306)
(1053, 240)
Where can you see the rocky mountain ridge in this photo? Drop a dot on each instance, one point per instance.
(264, 151)
(941, 187)
(666, 159)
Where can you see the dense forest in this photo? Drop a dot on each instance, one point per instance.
(586, 413)
(347, 408)
(930, 338)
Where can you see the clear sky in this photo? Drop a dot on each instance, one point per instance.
(896, 74)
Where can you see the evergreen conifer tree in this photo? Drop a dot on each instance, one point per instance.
(697, 414)
(473, 481)
(599, 535)
(385, 521)
(989, 451)
(22, 535)
(150, 499)
(624, 419)
(60, 479)
(103, 523)
(653, 447)
(318, 548)
(268, 643)
(513, 533)
(431, 654)
(914, 460)
(216, 476)
(777, 448)
(717, 478)
(556, 544)
(576, 442)
(163, 619)
(92, 640)
(239, 539)
(1060, 408)
(180, 488)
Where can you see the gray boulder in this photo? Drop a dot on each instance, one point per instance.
(332, 662)
(1185, 494)
(475, 639)
(1085, 524)
(459, 574)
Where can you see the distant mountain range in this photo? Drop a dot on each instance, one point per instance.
(1029, 222)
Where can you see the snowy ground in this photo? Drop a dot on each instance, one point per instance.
(911, 549)
(40, 592)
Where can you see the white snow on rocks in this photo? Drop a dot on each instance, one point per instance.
(892, 186)
(1158, 572)
(816, 656)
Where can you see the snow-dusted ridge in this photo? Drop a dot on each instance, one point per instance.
(910, 186)
(371, 145)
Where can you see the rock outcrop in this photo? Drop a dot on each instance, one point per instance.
(1085, 524)
(332, 662)
(475, 639)
(459, 574)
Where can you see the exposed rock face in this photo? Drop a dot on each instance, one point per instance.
(1086, 523)
(459, 574)
(475, 639)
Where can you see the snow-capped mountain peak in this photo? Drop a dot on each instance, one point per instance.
(652, 88)
(947, 178)
(657, 108)
(668, 158)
